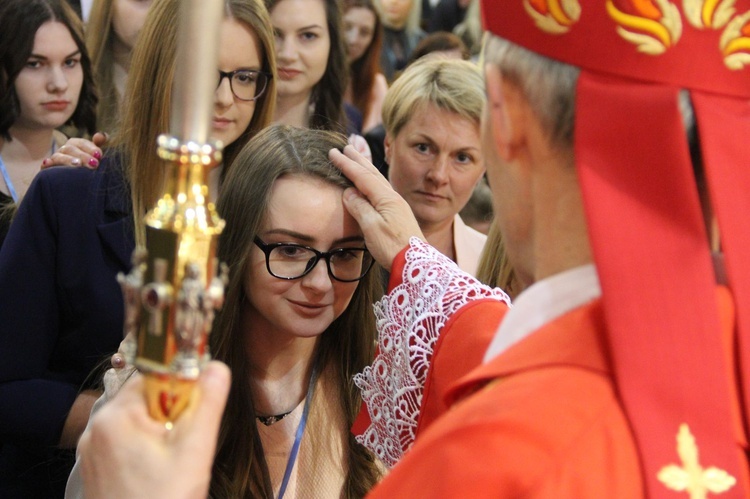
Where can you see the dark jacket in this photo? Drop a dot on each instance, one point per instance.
(61, 314)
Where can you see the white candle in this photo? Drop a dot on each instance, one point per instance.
(195, 72)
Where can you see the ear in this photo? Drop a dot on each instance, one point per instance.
(505, 110)
(387, 147)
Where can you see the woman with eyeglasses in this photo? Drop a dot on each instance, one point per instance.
(61, 307)
(296, 323)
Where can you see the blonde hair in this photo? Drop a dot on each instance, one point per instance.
(450, 84)
(413, 20)
(149, 90)
(494, 268)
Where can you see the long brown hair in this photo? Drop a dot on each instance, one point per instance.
(98, 35)
(346, 346)
(362, 71)
(149, 90)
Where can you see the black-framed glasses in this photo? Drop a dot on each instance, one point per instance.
(291, 261)
(246, 84)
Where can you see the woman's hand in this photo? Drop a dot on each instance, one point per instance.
(78, 152)
(385, 218)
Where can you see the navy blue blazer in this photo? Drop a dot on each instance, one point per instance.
(61, 314)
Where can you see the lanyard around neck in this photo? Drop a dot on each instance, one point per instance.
(300, 432)
(6, 176)
(8, 182)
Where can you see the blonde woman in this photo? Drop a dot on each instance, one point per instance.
(432, 146)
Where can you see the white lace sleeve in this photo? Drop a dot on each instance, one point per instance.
(410, 320)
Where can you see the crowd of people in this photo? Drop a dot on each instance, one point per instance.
(587, 336)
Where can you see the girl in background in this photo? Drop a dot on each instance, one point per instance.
(401, 34)
(111, 33)
(311, 55)
(364, 38)
(47, 82)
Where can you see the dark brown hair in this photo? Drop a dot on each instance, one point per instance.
(20, 20)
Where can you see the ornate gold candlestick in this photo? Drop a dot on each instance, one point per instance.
(176, 284)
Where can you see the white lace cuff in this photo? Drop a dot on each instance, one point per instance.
(410, 319)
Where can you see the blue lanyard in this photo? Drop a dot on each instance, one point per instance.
(8, 182)
(300, 432)
(6, 177)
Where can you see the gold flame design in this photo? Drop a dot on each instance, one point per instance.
(735, 42)
(713, 14)
(553, 16)
(655, 28)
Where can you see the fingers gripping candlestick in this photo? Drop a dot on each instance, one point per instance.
(177, 284)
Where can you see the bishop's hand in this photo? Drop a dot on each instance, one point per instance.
(385, 217)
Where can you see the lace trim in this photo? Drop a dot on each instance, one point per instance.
(410, 320)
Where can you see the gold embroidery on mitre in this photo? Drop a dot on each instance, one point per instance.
(735, 42)
(713, 14)
(553, 16)
(691, 477)
(651, 25)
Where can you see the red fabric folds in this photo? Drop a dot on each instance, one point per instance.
(651, 251)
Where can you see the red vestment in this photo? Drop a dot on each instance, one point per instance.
(543, 421)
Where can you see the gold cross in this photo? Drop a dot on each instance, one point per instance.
(691, 477)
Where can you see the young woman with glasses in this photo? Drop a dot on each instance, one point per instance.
(61, 307)
(296, 324)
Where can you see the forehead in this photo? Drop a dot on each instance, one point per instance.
(294, 14)
(53, 38)
(238, 45)
(360, 15)
(432, 121)
(310, 206)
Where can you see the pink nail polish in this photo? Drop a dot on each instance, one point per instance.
(44, 162)
(93, 162)
(97, 155)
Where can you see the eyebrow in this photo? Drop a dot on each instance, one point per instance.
(310, 239)
(44, 58)
(276, 29)
(426, 138)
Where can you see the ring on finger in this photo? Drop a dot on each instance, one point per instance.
(75, 162)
